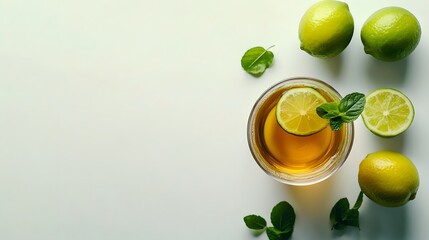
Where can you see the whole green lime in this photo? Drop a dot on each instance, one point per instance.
(390, 34)
(388, 178)
(326, 28)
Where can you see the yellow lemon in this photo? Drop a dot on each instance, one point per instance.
(326, 28)
(388, 178)
(390, 34)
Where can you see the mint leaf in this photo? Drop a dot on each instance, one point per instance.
(283, 216)
(351, 106)
(347, 110)
(352, 218)
(255, 222)
(341, 216)
(336, 123)
(339, 213)
(275, 234)
(256, 60)
(328, 110)
(359, 201)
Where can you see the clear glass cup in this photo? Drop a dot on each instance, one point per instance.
(290, 159)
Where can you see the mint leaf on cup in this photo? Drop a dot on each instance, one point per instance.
(346, 111)
(256, 60)
(351, 106)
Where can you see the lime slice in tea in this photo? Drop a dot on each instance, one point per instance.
(296, 111)
(388, 112)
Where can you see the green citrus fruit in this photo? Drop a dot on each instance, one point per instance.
(296, 111)
(388, 178)
(390, 34)
(326, 28)
(388, 112)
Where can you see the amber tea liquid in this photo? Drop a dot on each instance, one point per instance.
(281, 153)
(288, 152)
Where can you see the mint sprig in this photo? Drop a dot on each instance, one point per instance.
(256, 60)
(346, 111)
(283, 220)
(342, 215)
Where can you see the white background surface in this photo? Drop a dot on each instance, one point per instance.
(127, 120)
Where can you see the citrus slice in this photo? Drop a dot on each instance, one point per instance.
(296, 111)
(388, 112)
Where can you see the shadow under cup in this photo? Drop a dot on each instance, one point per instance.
(290, 159)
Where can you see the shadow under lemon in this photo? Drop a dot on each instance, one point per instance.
(383, 222)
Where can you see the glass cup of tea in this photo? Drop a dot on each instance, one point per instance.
(292, 159)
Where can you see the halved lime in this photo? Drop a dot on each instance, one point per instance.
(296, 111)
(388, 112)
